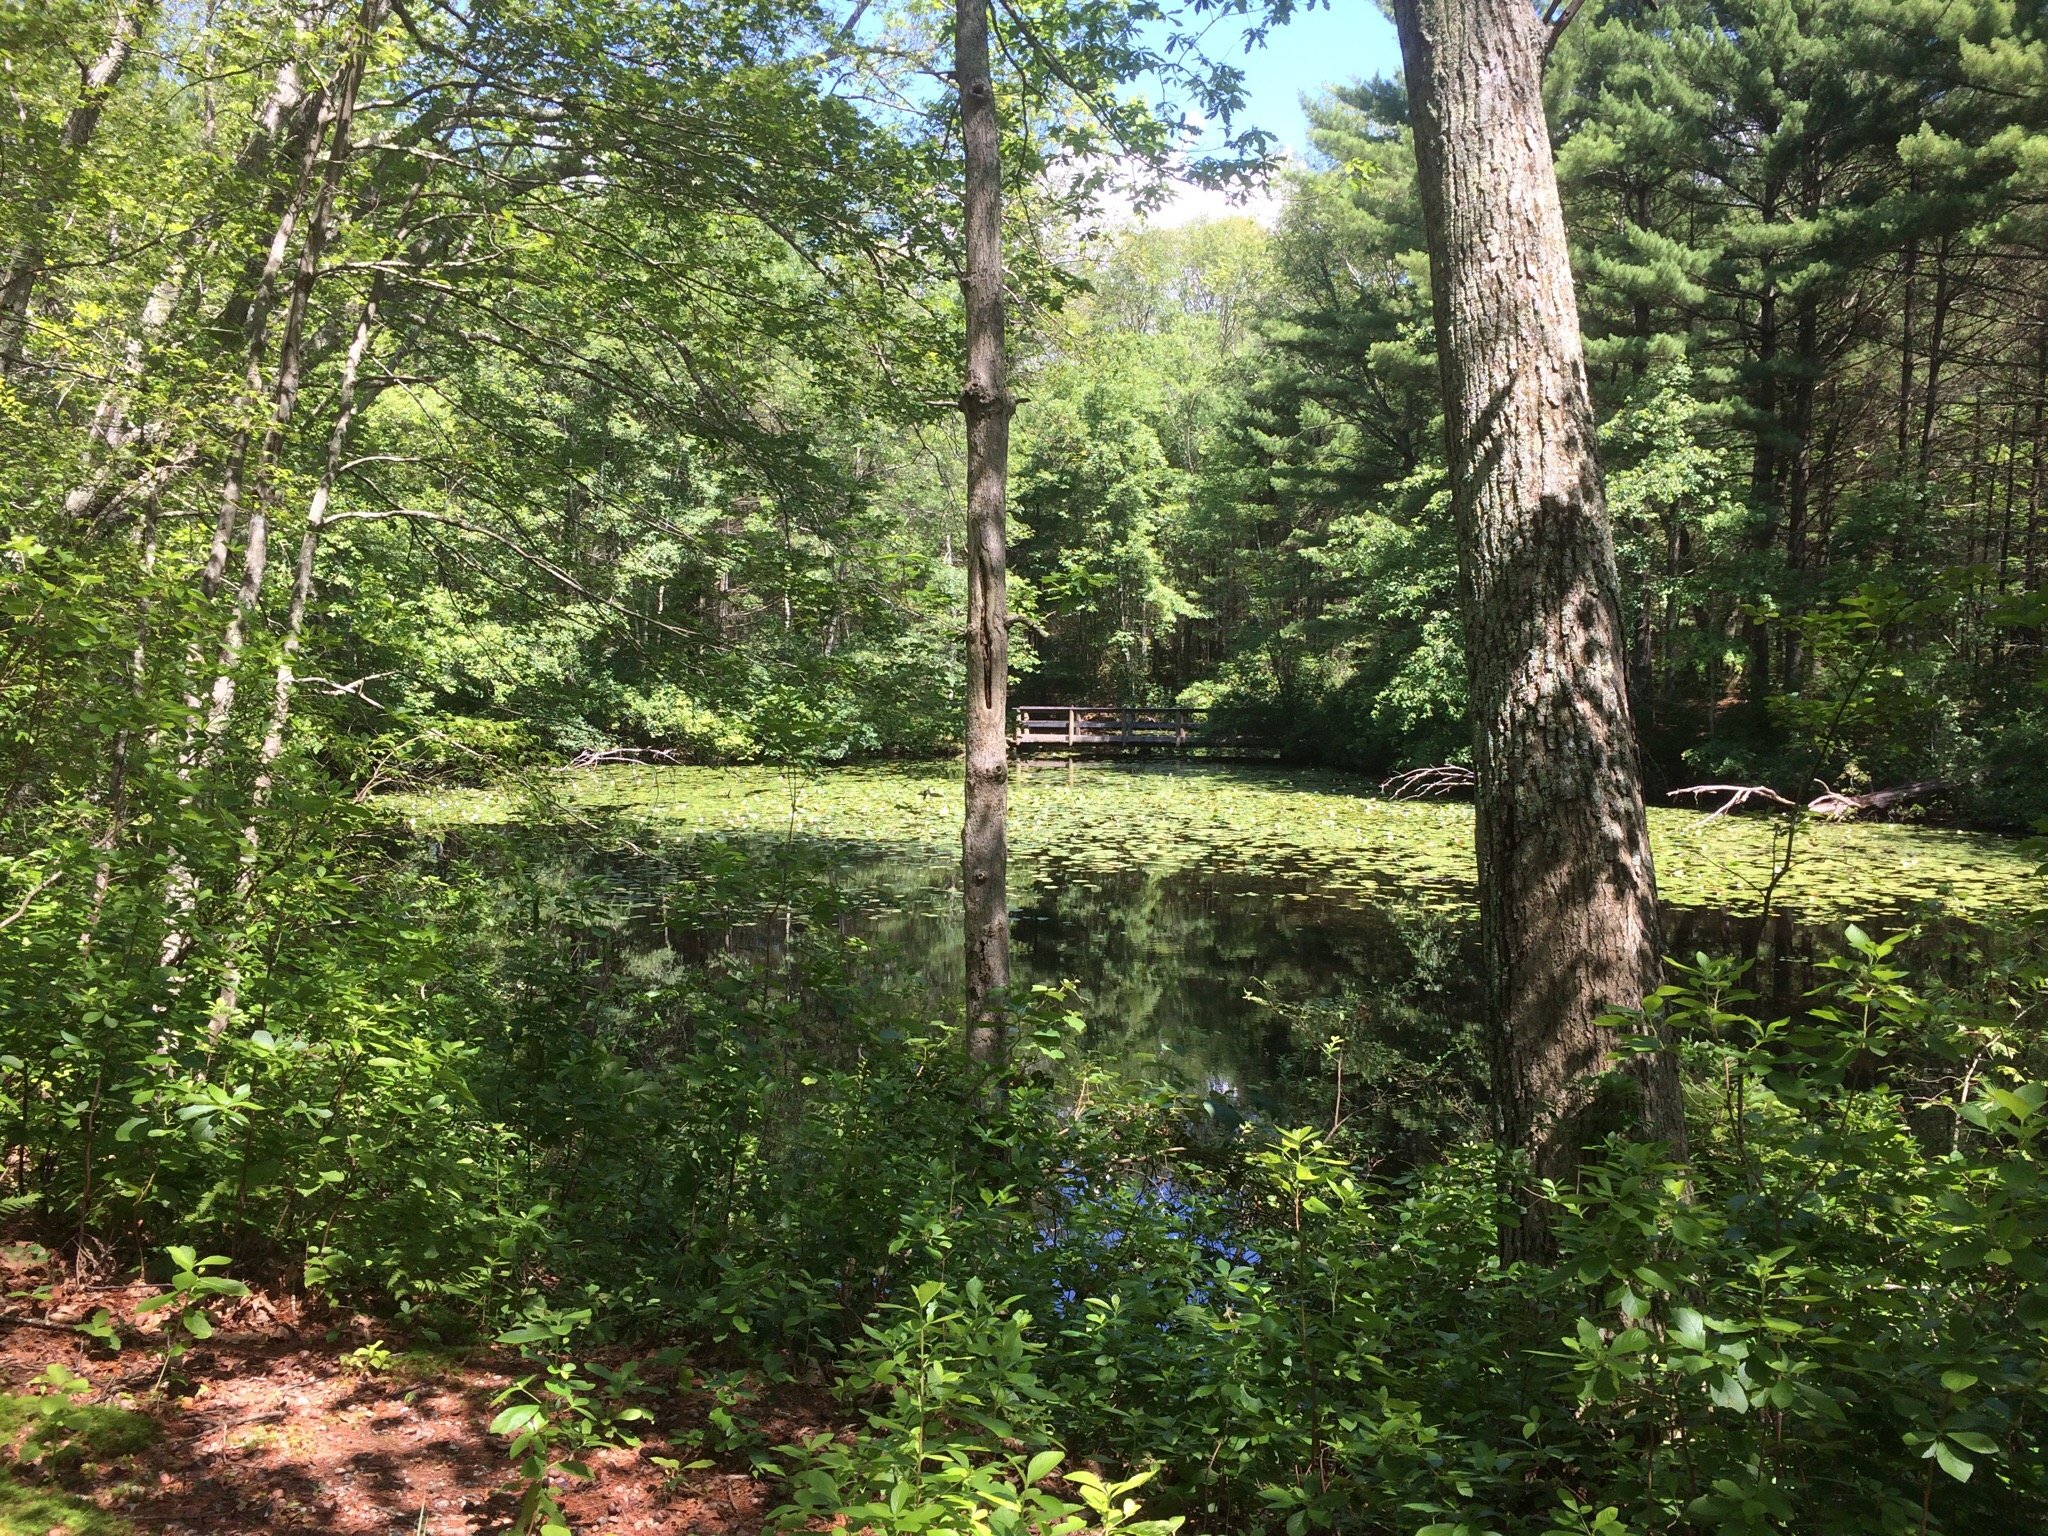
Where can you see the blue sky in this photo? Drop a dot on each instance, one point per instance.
(1350, 40)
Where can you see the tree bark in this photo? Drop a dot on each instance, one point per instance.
(1568, 911)
(986, 403)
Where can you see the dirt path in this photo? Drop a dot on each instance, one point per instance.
(275, 1428)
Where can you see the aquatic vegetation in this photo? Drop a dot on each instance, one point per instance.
(1284, 834)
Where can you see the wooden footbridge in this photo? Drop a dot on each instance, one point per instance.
(1107, 728)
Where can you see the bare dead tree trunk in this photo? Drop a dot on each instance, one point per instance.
(25, 266)
(986, 403)
(1568, 909)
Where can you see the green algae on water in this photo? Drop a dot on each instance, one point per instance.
(1312, 835)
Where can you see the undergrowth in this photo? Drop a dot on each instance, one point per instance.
(492, 1108)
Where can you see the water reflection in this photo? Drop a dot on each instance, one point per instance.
(1253, 958)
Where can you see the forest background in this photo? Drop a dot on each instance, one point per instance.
(633, 467)
(400, 394)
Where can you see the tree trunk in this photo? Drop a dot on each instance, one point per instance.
(1937, 326)
(986, 403)
(1568, 909)
(25, 267)
(285, 679)
(290, 370)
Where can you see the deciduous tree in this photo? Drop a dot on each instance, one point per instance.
(1568, 899)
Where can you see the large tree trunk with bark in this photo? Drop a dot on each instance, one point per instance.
(1568, 907)
(986, 403)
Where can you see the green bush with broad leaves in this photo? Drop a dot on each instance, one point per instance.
(955, 1440)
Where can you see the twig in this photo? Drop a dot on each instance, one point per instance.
(1440, 779)
(33, 892)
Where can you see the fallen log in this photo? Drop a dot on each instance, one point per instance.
(1839, 807)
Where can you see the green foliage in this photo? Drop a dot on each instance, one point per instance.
(556, 1416)
(655, 306)
(51, 1437)
(36, 1511)
(184, 1304)
(1786, 217)
(62, 1433)
(955, 1436)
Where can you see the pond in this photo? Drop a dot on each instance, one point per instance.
(1223, 923)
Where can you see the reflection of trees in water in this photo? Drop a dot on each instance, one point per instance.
(1208, 978)
(1203, 978)
(1215, 982)
(1199, 976)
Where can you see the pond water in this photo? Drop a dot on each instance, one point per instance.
(1222, 922)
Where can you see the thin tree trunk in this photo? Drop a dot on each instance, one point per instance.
(251, 309)
(1764, 490)
(124, 739)
(181, 885)
(25, 267)
(2030, 566)
(986, 403)
(106, 487)
(1937, 325)
(290, 368)
(285, 679)
(112, 486)
(1904, 410)
(1568, 909)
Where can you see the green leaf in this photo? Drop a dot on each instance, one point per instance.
(1957, 1467)
(518, 1417)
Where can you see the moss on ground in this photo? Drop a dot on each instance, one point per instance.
(52, 1436)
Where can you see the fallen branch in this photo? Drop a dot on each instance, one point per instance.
(1738, 795)
(1441, 779)
(599, 757)
(1830, 804)
(1838, 807)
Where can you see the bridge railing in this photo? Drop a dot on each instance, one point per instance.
(1084, 725)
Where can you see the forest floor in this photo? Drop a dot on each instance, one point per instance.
(274, 1425)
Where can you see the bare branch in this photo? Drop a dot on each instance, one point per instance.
(1432, 782)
